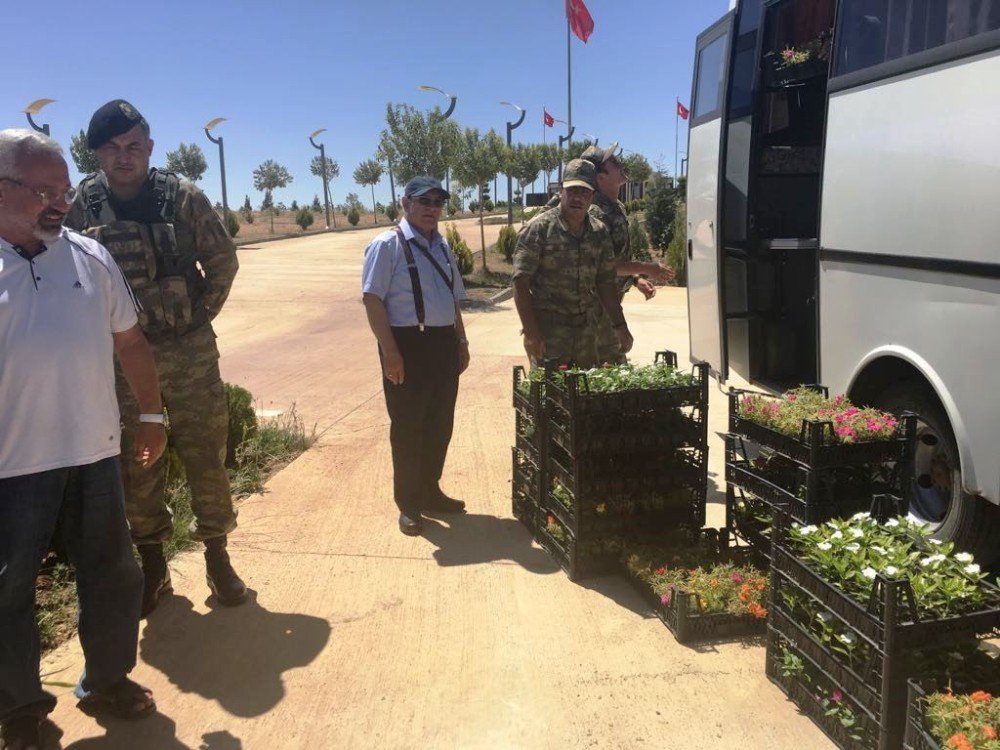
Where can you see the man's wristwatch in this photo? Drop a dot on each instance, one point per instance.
(153, 418)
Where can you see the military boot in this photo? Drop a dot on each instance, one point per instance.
(155, 576)
(222, 579)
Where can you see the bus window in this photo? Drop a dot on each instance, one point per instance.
(877, 31)
(708, 94)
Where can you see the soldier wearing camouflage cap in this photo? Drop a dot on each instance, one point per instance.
(180, 262)
(563, 266)
(611, 211)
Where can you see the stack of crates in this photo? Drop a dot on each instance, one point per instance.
(528, 453)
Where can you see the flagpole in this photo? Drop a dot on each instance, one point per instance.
(677, 125)
(569, 88)
(544, 112)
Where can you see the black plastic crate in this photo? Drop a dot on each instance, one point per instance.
(805, 698)
(817, 446)
(918, 736)
(529, 434)
(532, 401)
(526, 487)
(682, 613)
(652, 433)
(888, 624)
(744, 527)
(580, 560)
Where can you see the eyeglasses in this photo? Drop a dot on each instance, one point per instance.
(430, 202)
(48, 196)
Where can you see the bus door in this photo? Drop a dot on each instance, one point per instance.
(705, 157)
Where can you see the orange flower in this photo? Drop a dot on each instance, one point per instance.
(757, 611)
(660, 571)
(714, 583)
(959, 742)
(980, 696)
(989, 733)
(745, 592)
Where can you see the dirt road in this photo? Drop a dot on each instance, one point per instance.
(466, 637)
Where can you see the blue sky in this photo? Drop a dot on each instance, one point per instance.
(279, 71)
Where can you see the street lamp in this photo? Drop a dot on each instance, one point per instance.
(563, 139)
(33, 109)
(451, 108)
(222, 164)
(511, 126)
(388, 160)
(590, 137)
(322, 174)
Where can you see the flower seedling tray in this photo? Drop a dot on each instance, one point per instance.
(574, 557)
(918, 735)
(532, 402)
(811, 705)
(756, 537)
(529, 434)
(650, 435)
(526, 487)
(817, 446)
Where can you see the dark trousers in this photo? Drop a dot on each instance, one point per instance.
(421, 412)
(88, 503)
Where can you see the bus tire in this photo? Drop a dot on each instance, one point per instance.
(972, 522)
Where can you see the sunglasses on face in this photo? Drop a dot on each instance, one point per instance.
(423, 200)
(48, 197)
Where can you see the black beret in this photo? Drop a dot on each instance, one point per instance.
(111, 120)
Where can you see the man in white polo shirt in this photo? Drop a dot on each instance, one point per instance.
(65, 310)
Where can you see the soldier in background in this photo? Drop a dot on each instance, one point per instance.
(180, 262)
(563, 266)
(611, 212)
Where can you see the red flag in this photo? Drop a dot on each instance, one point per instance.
(548, 119)
(682, 111)
(579, 19)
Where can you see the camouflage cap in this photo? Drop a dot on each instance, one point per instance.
(597, 156)
(111, 120)
(580, 173)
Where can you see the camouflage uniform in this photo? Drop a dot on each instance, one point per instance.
(612, 214)
(565, 273)
(180, 262)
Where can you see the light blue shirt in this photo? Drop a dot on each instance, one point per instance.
(386, 275)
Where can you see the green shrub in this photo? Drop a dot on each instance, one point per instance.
(460, 249)
(507, 241)
(638, 240)
(353, 217)
(232, 223)
(247, 214)
(242, 419)
(304, 218)
(391, 212)
(661, 208)
(677, 249)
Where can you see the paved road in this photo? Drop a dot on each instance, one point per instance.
(468, 637)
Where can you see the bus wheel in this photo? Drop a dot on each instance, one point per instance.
(936, 495)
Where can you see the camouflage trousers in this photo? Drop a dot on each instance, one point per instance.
(608, 348)
(198, 413)
(569, 339)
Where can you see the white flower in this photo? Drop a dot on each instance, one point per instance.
(808, 530)
(837, 535)
(849, 638)
(879, 550)
(964, 557)
(856, 532)
(824, 617)
(937, 542)
(825, 546)
(932, 560)
(892, 523)
(869, 573)
(972, 569)
(853, 547)
(860, 516)
(891, 570)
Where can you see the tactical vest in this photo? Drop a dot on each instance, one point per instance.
(158, 260)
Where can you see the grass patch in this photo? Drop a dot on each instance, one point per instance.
(265, 450)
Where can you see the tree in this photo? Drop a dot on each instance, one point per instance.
(316, 205)
(636, 167)
(391, 212)
(369, 173)
(353, 216)
(549, 157)
(661, 207)
(187, 161)
(246, 203)
(304, 218)
(326, 171)
(269, 176)
(478, 159)
(416, 143)
(575, 149)
(525, 164)
(85, 158)
(295, 205)
(352, 203)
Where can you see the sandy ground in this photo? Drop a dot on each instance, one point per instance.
(466, 637)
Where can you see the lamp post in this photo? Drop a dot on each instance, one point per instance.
(563, 139)
(33, 109)
(388, 160)
(590, 137)
(453, 100)
(511, 127)
(222, 163)
(322, 170)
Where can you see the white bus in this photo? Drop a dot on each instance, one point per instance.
(844, 223)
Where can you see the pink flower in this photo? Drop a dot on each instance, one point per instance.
(837, 696)
(788, 54)
(839, 418)
(736, 578)
(874, 426)
(851, 412)
(790, 396)
(838, 400)
(665, 598)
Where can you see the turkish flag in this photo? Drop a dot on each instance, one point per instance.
(682, 111)
(579, 19)
(548, 119)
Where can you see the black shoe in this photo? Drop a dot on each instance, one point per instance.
(155, 576)
(410, 525)
(228, 588)
(21, 733)
(438, 501)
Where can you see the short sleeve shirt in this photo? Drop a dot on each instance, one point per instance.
(58, 312)
(386, 275)
(565, 270)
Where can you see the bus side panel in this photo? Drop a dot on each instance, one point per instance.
(912, 169)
